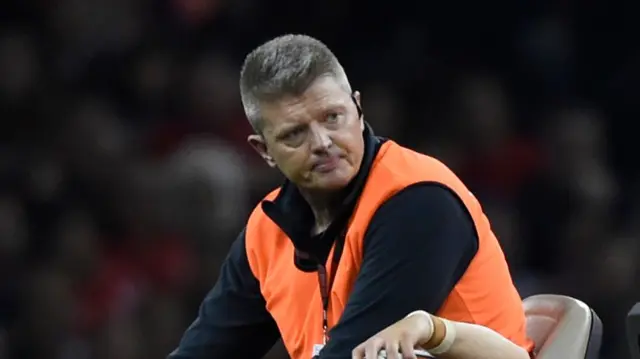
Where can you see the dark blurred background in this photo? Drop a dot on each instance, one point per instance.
(124, 173)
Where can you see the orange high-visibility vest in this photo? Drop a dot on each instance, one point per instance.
(484, 295)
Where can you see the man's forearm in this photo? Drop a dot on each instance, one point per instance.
(474, 341)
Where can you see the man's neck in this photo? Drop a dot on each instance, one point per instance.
(324, 207)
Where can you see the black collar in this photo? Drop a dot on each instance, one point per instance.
(293, 215)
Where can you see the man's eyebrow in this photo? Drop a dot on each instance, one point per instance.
(334, 105)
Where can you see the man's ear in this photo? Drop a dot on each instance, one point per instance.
(258, 144)
(356, 98)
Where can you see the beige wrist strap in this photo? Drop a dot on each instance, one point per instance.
(449, 338)
(428, 316)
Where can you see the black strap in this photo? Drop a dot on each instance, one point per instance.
(325, 281)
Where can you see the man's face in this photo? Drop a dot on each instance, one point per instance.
(315, 139)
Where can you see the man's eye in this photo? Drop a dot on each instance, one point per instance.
(292, 134)
(332, 117)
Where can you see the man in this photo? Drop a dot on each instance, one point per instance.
(362, 232)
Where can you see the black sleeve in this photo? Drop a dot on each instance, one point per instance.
(418, 245)
(233, 321)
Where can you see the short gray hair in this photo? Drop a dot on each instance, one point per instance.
(286, 65)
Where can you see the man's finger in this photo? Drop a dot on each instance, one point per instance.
(359, 351)
(406, 346)
(392, 350)
(373, 347)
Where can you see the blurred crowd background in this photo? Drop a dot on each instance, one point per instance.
(125, 176)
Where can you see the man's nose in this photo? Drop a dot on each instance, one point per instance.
(320, 139)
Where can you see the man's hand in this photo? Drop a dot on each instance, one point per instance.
(398, 340)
